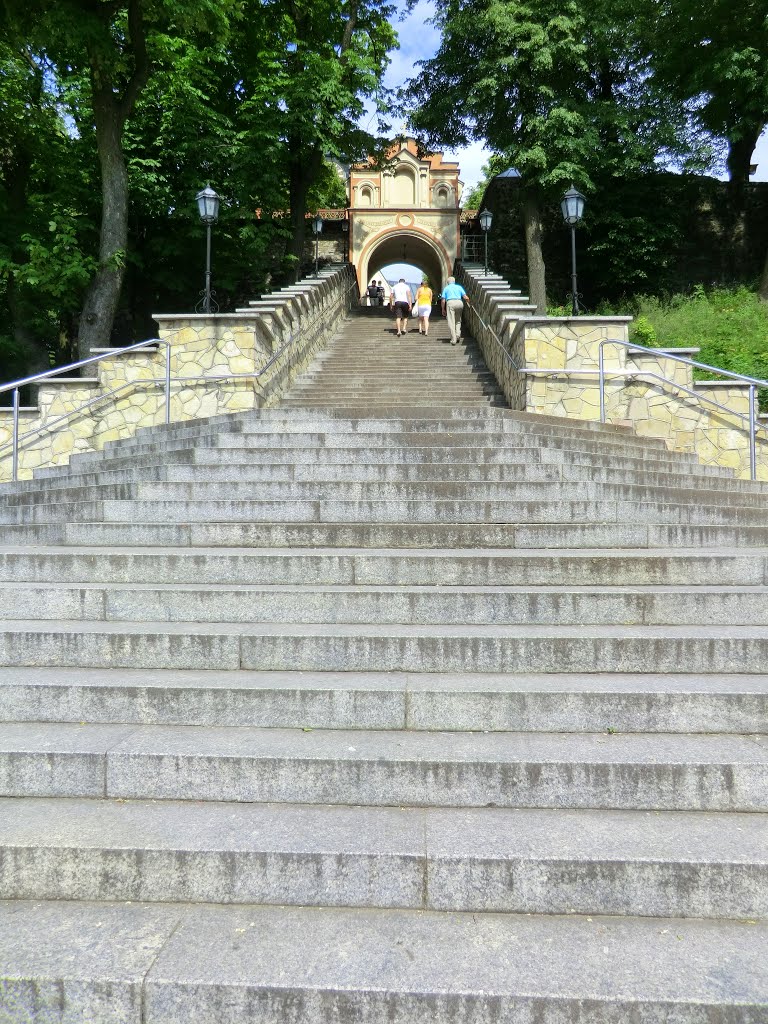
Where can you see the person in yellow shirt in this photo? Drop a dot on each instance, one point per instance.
(424, 306)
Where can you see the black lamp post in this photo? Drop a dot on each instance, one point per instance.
(208, 207)
(572, 205)
(486, 219)
(317, 227)
(345, 229)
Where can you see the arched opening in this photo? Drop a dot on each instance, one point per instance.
(410, 249)
(366, 196)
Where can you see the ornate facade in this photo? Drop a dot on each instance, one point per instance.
(406, 211)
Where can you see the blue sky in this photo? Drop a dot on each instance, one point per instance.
(419, 40)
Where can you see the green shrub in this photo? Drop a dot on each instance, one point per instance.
(729, 326)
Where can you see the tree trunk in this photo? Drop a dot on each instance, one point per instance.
(740, 152)
(303, 169)
(111, 109)
(537, 283)
(103, 293)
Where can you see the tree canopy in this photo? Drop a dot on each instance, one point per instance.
(114, 113)
(570, 94)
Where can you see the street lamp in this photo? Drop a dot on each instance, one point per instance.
(208, 207)
(486, 219)
(572, 205)
(345, 229)
(317, 227)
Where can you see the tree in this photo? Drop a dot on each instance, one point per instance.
(110, 49)
(562, 95)
(715, 57)
(509, 72)
(45, 227)
(324, 57)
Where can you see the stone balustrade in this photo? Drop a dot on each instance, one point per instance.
(218, 363)
(553, 370)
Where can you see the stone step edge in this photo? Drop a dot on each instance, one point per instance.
(213, 962)
(480, 859)
(451, 702)
(662, 539)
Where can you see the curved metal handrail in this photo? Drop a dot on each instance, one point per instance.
(753, 382)
(507, 354)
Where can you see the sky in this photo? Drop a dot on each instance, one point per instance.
(420, 40)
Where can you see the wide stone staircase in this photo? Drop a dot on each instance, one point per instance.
(386, 705)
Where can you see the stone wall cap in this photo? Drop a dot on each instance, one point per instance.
(723, 384)
(202, 316)
(666, 351)
(111, 350)
(579, 319)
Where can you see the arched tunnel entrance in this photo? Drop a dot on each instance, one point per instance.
(403, 246)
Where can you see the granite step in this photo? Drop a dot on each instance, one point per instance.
(472, 492)
(385, 472)
(552, 536)
(165, 964)
(627, 771)
(195, 565)
(409, 605)
(489, 860)
(463, 702)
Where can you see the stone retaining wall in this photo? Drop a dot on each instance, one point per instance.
(557, 361)
(268, 343)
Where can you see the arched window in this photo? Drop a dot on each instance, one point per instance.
(366, 196)
(441, 196)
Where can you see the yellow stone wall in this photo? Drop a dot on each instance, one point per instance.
(653, 408)
(126, 391)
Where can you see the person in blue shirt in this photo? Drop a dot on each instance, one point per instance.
(452, 299)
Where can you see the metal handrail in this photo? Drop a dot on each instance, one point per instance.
(753, 382)
(15, 386)
(499, 342)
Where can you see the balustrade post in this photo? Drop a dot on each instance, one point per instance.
(167, 383)
(15, 459)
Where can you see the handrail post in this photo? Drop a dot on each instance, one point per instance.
(752, 433)
(15, 460)
(601, 371)
(167, 383)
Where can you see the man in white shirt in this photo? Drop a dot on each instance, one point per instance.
(401, 300)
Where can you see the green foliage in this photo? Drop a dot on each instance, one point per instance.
(728, 325)
(715, 58)
(643, 332)
(243, 94)
(510, 73)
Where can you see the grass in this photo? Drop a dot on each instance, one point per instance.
(729, 326)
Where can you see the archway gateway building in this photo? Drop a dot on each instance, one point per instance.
(404, 212)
